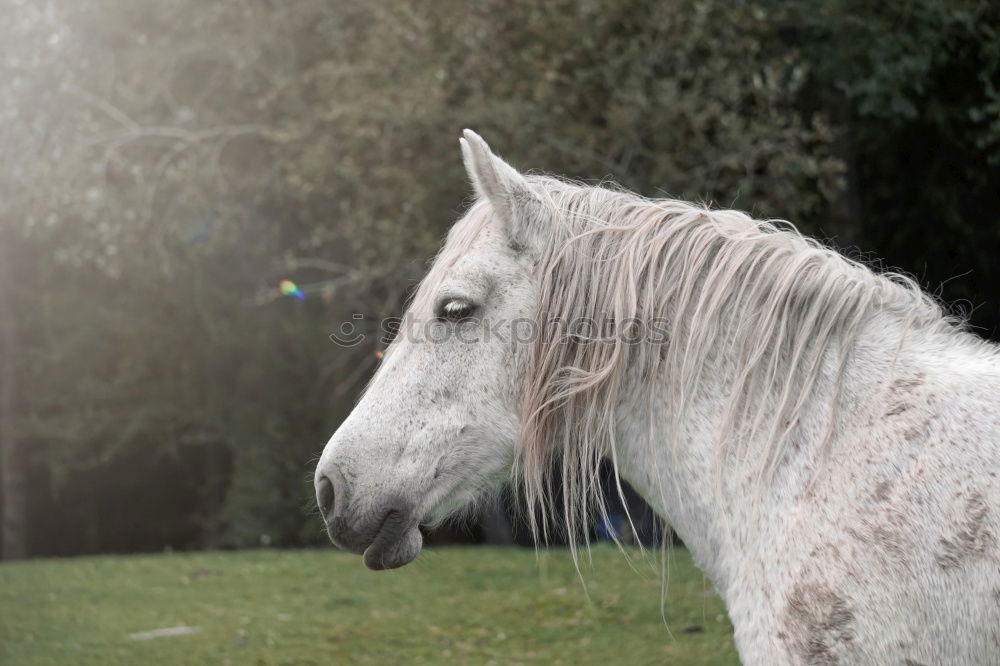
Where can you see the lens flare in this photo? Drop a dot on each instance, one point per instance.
(289, 288)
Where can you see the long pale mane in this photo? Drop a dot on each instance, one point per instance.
(778, 306)
(775, 304)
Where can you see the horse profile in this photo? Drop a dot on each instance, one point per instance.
(824, 439)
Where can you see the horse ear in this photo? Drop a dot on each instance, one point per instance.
(510, 194)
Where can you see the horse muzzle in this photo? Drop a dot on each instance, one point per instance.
(386, 532)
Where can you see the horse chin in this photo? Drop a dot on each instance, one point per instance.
(389, 552)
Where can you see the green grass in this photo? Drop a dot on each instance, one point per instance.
(453, 605)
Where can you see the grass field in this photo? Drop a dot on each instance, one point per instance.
(453, 605)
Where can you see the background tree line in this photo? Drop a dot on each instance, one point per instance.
(167, 163)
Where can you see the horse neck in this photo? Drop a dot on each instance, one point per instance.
(716, 504)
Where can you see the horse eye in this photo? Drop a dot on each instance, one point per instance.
(456, 309)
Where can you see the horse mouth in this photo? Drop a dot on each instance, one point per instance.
(390, 543)
(392, 550)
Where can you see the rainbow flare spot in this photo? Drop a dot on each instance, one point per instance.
(379, 354)
(289, 288)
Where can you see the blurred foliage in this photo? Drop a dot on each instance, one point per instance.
(169, 162)
(915, 90)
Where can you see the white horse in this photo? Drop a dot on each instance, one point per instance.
(823, 438)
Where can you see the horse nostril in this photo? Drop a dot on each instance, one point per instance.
(324, 496)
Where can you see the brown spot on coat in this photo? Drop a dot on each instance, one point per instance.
(901, 393)
(973, 538)
(819, 624)
(882, 491)
(885, 531)
(907, 384)
(898, 409)
(918, 433)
